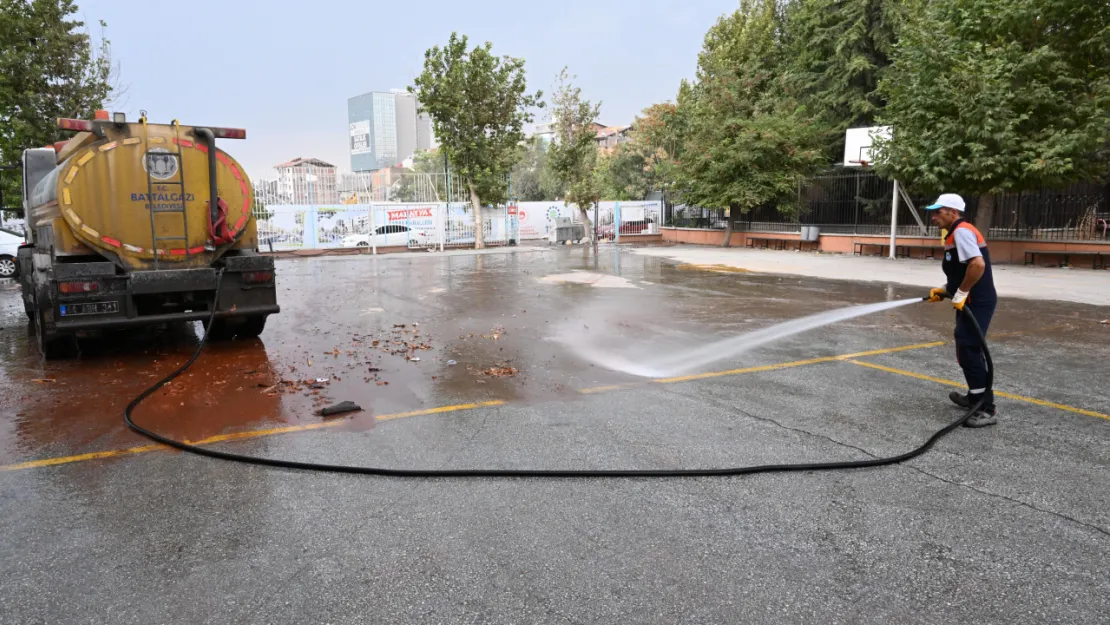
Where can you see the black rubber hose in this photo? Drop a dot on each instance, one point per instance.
(535, 473)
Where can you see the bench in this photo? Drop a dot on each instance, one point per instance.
(1098, 259)
(905, 251)
(900, 250)
(857, 249)
(779, 241)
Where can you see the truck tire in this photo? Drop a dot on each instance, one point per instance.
(252, 327)
(28, 305)
(220, 330)
(54, 347)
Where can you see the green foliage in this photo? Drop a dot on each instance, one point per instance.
(48, 69)
(988, 96)
(426, 181)
(479, 106)
(837, 50)
(649, 160)
(574, 151)
(749, 142)
(532, 177)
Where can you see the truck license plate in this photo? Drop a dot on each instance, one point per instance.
(89, 308)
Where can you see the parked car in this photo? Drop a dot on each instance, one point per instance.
(9, 245)
(635, 226)
(390, 235)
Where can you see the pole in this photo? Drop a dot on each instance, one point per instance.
(373, 229)
(447, 184)
(894, 220)
(617, 223)
(595, 228)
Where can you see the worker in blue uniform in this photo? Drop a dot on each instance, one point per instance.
(970, 284)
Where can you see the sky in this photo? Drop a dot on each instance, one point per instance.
(284, 70)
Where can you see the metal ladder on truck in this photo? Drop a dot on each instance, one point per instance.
(178, 207)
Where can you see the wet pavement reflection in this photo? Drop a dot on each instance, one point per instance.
(411, 332)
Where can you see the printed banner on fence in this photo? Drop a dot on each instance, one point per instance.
(422, 217)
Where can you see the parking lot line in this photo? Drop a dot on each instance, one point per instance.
(953, 383)
(798, 363)
(219, 438)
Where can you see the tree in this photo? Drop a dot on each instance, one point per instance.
(625, 172)
(660, 133)
(49, 69)
(532, 180)
(988, 96)
(574, 150)
(478, 107)
(425, 182)
(749, 142)
(837, 50)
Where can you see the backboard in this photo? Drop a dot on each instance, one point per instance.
(857, 144)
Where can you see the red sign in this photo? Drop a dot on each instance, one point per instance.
(512, 209)
(405, 215)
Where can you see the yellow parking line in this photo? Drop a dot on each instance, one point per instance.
(606, 389)
(220, 438)
(797, 363)
(96, 455)
(419, 413)
(1029, 400)
(47, 462)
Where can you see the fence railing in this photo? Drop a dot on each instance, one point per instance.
(859, 202)
(386, 225)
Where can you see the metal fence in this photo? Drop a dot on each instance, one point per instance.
(307, 205)
(859, 202)
(381, 225)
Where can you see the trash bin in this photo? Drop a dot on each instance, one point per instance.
(810, 233)
(567, 230)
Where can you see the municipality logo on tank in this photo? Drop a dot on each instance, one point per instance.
(160, 163)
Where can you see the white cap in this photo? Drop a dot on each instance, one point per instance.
(947, 200)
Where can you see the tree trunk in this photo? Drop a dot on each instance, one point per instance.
(479, 223)
(727, 241)
(585, 212)
(984, 215)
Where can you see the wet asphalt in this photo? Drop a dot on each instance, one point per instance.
(1009, 524)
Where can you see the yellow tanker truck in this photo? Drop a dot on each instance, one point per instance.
(134, 223)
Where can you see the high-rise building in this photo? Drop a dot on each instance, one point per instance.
(386, 128)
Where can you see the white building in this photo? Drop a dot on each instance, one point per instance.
(307, 181)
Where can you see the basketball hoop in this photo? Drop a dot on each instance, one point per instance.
(860, 163)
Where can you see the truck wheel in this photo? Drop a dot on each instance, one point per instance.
(252, 327)
(219, 330)
(54, 347)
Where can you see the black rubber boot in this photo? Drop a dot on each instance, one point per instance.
(960, 399)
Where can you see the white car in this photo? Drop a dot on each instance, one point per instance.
(390, 236)
(9, 245)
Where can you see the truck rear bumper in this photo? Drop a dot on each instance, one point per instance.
(247, 290)
(115, 323)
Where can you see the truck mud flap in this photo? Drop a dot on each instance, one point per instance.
(173, 280)
(249, 263)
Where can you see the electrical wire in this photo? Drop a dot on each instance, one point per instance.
(533, 473)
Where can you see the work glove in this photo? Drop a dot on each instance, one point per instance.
(935, 295)
(959, 299)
